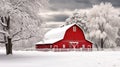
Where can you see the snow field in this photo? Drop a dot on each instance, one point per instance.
(60, 59)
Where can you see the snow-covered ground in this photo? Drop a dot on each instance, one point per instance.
(60, 59)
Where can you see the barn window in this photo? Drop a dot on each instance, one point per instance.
(83, 46)
(63, 45)
(73, 44)
(50, 46)
(55, 46)
(89, 46)
(74, 28)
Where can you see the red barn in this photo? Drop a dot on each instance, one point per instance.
(67, 37)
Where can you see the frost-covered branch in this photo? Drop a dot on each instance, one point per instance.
(3, 32)
(2, 22)
(23, 38)
(16, 33)
(2, 41)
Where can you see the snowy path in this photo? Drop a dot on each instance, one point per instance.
(60, 59)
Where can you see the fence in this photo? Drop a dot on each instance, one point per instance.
(64, 49)
(69, 49)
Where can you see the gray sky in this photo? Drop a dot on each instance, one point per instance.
(78, 4)
(62, 9)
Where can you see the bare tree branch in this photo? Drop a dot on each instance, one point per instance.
(16, 33)
(3, 22)
(23, 38)
(2, 41)
(3, 32)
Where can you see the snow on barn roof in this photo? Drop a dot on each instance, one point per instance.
(55, 35)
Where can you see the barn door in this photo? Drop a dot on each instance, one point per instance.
(83, 47)
(55, 48)
(89, 48)
(73, 44)
(63, 45)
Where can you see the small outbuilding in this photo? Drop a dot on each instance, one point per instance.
(67, 37)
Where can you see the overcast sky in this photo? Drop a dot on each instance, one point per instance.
(62, 9)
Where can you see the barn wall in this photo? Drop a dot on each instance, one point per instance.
(64, 44)
(44, 46)
(71, 37)
(74, 35)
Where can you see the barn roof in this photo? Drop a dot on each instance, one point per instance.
(55, 35)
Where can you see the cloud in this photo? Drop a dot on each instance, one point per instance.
(61, 9)
(69, 4)
(115, 3)
(78, 4)
(56, 16)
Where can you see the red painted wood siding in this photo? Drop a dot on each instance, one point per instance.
(73, 34)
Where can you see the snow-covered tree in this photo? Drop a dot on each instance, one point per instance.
(118, 38)
(79, 17)
(20, 21)
(102, 24)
